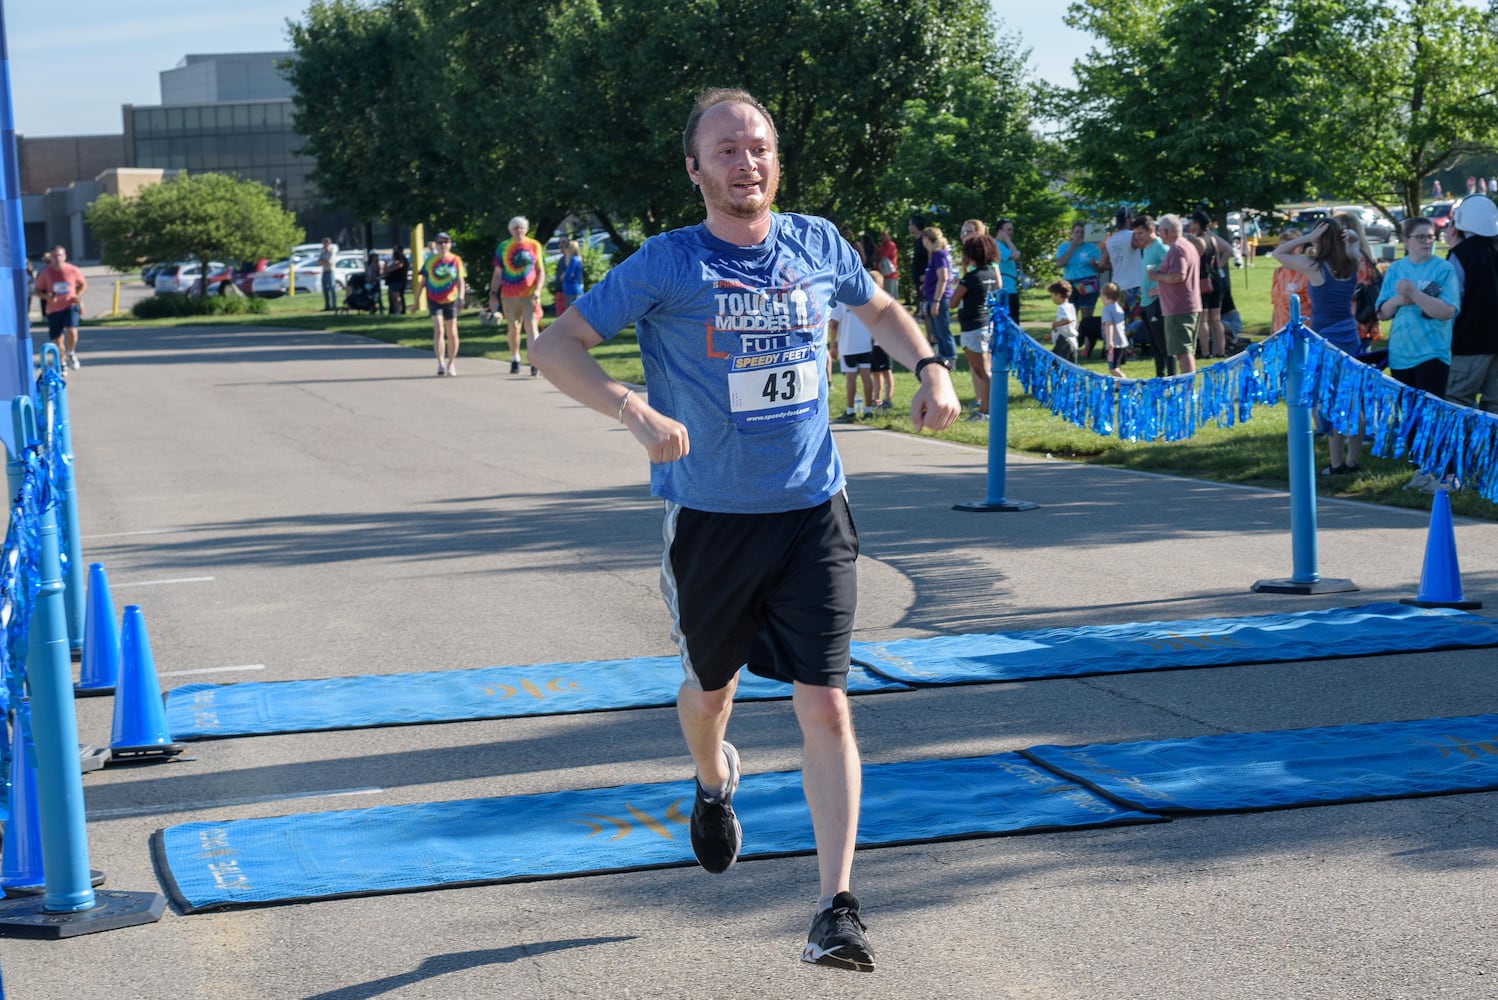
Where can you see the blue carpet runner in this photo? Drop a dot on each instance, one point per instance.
(1204, 642)
(257, 862)
(1238, 772)
(207, 711)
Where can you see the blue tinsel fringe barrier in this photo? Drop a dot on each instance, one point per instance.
(20, 582)
(1397, 421)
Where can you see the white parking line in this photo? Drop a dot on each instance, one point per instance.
(127, 534)
(126, 812)
(209, 670)
(157, 583)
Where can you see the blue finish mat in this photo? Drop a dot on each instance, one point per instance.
(1204, 642)
(1239, 772)
(206, 711)
(259, 862)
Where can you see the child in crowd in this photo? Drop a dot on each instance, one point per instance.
(1287, 284)
(1064, 326)
(884, 378)
(1114, 334)
(849, 341)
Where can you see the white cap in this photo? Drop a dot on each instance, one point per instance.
(1476, 215)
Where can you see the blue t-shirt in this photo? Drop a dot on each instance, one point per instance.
(1081, 264)
(571, 278)
(734, 343)
(1008, 268)
(1413, 336)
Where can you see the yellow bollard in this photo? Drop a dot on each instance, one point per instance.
(291, 279)
(115, 310)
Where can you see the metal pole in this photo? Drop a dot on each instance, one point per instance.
(1301, 449)
(60, 447)
(49, 678)
(998, 416)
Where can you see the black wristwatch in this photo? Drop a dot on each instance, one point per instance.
(920, 365)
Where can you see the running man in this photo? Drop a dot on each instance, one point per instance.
(60, 286)
(758, 568)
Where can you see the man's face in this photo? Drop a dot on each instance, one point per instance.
(518, 231)
(736, 163)
(1142, 236)
(443, 246)
(1168, 234)
(59, 256)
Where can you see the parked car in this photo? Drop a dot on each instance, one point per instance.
(272, 282)
(1378, 228)
(178, 279)
(600, 240)
(1439, 213)
(149, 273)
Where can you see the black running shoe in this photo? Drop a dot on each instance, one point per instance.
(716, 835)
(837, 937)
(514, 367)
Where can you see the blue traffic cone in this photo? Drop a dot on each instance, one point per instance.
(100, 671)
(21, 860)
(1441, 577)
(140, 731)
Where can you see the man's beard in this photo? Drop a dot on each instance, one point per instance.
(721, 199)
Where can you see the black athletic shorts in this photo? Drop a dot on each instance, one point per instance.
(880, 361)
(774, 592)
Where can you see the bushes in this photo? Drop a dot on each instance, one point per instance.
(171, 306)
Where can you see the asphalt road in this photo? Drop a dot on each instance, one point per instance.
(294, 505)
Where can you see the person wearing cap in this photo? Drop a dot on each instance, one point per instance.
(446, 285)
(1473, 235)
(519, 274)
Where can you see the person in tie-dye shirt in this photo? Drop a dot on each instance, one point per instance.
(446, 286)
(519, 274)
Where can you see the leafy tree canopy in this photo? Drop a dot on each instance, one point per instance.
(1219, 103)
(202, 217)
(424, 109)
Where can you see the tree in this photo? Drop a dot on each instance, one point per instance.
(1190, 103)
(1404, 90)
(1255, 102)
(416, 108)
(366, 92)
(204, 217)
(976, 153)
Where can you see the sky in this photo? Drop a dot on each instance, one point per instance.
(69, 75)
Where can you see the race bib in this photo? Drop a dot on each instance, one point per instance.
(773, 385)
(62, 288)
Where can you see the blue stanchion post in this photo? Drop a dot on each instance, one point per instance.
(998, 416)
(59, 438)
(1301, 449)
(69, 906)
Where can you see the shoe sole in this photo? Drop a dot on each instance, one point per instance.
(860, 961)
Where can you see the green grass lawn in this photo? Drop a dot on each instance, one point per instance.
(1253, 453)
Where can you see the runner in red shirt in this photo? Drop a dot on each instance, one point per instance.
(60, 286)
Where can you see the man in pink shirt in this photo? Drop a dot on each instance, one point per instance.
(60, 286)
(1179, 279)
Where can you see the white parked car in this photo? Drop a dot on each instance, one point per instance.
(178, 279)
(272, 282)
